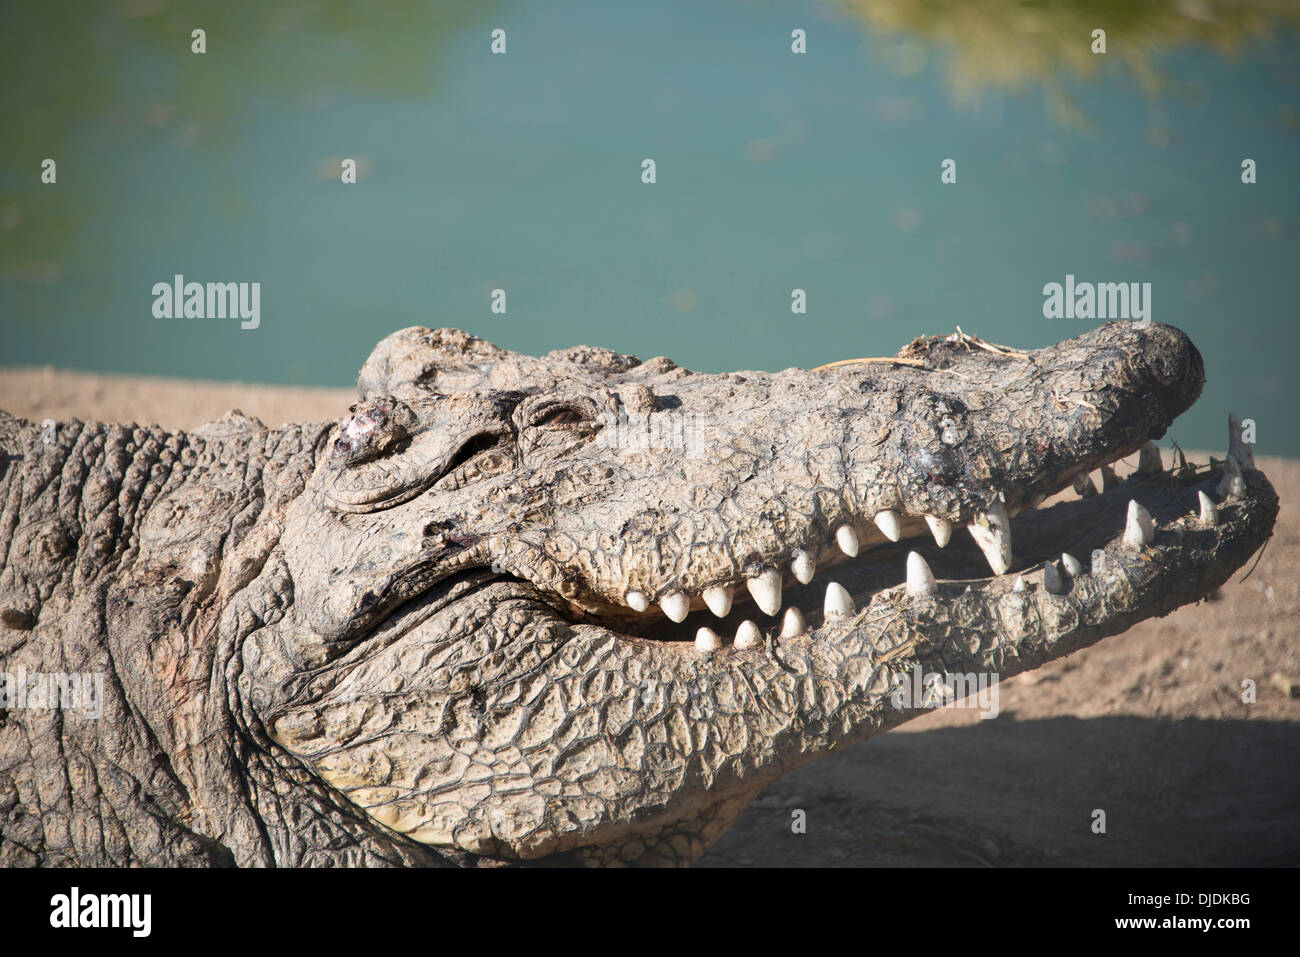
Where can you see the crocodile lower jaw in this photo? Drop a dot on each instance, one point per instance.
(1084, 554)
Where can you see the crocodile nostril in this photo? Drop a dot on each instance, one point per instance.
(1175, 369)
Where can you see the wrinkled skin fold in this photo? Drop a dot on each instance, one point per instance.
(576, 609)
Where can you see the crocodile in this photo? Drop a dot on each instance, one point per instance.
(576, 609)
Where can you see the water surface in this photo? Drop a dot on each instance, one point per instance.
(775, 171)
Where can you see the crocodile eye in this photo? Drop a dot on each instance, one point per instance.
(555, 424)
(560, 416)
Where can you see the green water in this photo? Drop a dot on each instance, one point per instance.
(775, 171)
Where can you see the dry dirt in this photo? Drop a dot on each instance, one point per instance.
(1148, 726)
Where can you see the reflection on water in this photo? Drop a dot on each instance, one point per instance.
(127, 69)
(521, 171)
(997, 45)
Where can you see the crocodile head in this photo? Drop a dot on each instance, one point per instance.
(582, 608)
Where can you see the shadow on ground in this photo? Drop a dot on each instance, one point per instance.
(1012, 793)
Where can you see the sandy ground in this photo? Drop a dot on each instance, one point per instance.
(174, 404)
(1148, 726)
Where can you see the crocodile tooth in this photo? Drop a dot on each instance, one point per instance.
(1071, 564)
(1232, 483)
(1052, 582)
(637, 601)
(718, 598)
(766, 589)
(802, 566)
(993, 536)
(839, 604)
(1209, 511)
(706, 639)
(1019, 584)
(1109, 479)
(1149, 461)
(676, 605)
(1237, 448)
(940, 528)
(1083, 485)
(847, 539)
(748, 636)
(920, 580)
(1139, 530)
(792, 624)
(887, 521)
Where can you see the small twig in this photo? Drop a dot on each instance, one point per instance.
(996, 350)
(1258, 558)
(849, 362)
(1074, 399)
(902, 648)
